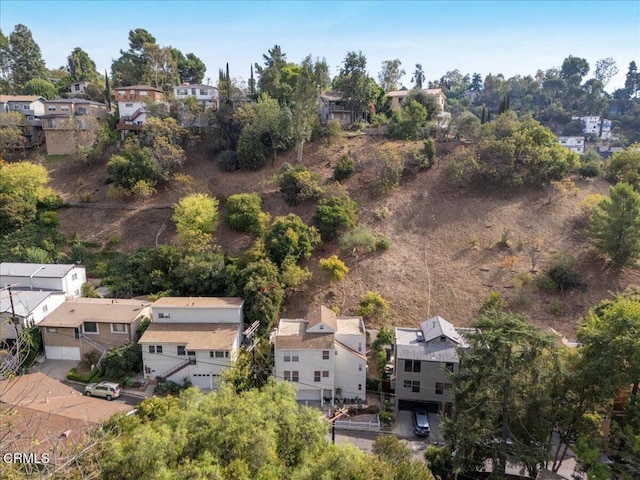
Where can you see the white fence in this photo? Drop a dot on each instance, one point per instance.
(371, 426)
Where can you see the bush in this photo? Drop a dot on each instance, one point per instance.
(379, 119)
(333, 268)
(565, 277)
(493, 302)
(373, 305)
(123, 360)
(430, 153)
(227, 160)
(244, 213)
(335, 215)
(387, 167)
(362, 240)
(333, 130)
(545, 283)
(344, 169)
(290, 237)
(252, 153)
(298, 184)
(168, 387)
(590, 170)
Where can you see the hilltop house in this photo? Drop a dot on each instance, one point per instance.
(207, 96)
(192, 338)
(594, 124)
(78, 88)
(27, 307)
(323, 356)
(132, 105)
(71, 123)
(422, 358)
(575, 144)
(398, 97)
(82, 325)
(66, 278)
(32, 107)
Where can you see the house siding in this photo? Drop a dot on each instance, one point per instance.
(64, 284)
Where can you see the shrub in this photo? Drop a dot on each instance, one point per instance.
(624, 166)
(227, 160)
(333, 130)
(335, 215)
(504, 242)
(565, 277)
(362, 240)
(344, 169)
(333, 268)
(493, 303)
(545, 283)
(590, 170)
(379, 119)
(386, 167)
(244, 213)
(373, 305)
(89, 291)
(298, 184)
(383, 243)
(122, 360)
(430, 153)
(168, 387)
(252, 153)
(357, 126)
(290, 237)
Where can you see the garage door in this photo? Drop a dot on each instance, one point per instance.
(311, 395)
(430, 407)
(62, 353)
(202, 380)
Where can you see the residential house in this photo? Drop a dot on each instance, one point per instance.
(27, 307)
(333, 107)
(575, 144)
(78, 88)
(398, 97)
(67, 278)
(192, 338)
(32, 107)
(323, 356)
(594, 124)
(605, 151)
(132, 105)
(422, 358)
(71, 123)
(83, 325)
(205, 95)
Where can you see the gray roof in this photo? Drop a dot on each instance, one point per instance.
(50, 270)
(76, 101)
(419, 344)
(436, 327)
(24, 301)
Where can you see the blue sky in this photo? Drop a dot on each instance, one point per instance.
(508, 37)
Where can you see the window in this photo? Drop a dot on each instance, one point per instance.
(325, 374)
(64, 109)
(359, 386)
(90, 327)
(325, 354)
(316, 376)
(164, 315)
(360, 367)
(25, 107)
(118, 328)
(51, 109)
(191, 353)
(407, 384)
(359, 346)
(294, 355)
(181, 350)
(204, 92)
(45, 309)
(439, 388)
(412, 366)
(294, 376)
(128, 105)
(321, 327)
(74, 276)
(219, 354)
(415, 387)
(193, 91)
(287, 375)
(77, 293)
(152, 349)
(450, 367)
(443, 338)
(143, 93)
(52, 330)
(77, 87)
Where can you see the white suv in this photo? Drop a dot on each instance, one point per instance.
(106, 390)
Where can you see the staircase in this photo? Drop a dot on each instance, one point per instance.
(176, 369)
(96, 346)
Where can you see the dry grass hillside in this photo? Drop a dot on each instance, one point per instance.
(444, 257)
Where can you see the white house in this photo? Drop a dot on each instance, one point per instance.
(78, 88)
(192, 338)
(575, 144)
(28, 307)
(422, 358)
(132, 105)
(67, 278)
(592, 124)
(323, 355)
(28, 105)
(205, 94)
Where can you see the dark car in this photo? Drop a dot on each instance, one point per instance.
(421, 423)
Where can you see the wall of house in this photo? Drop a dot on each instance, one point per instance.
(198, 315)
(430, 374)
(73, 281)
(66, 142)
(309, 361)
(127, 108)
(63, 337)
(46, 283)
(9, 331)
(351, 373)
(159, 364)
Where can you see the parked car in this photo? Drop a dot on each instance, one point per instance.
(106, 390)
(421, 423)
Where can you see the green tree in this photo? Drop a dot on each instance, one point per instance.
(40, 87)
(615, 225)
(190, 68)
(195, 217)
(290, 237)
(334, 215)
(12, 126)
(502, 408)
(22, 186)
(606, 69)
(26, 57)
(277, 78)
(357, 88)
(333, 268)
(625, 166)
(418, 76)
(81, 67)
(632, 80)
(244, 212)
(5, 62)
(298, 184)
(373, 306)
(390, 74)
(574, 69)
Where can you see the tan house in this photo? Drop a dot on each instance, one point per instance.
(71, 123)
(399, 96)
(132, 105)
(83, 325)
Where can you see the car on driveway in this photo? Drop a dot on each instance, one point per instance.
(106, 390)
(421, 423)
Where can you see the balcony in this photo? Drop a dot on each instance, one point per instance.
(123, 125)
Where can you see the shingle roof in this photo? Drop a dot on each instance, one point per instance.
(50, 270)
(322, 314)
(195, 336)
(74, 312)
(75, 101)
(20, 98)
(437, 326)
(199, 302)
(138, 87)
(310, 341)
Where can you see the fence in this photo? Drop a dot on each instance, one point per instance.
(371, 426)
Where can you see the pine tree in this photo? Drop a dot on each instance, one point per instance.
(25, 57)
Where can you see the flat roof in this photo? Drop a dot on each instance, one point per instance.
(20, 98)
(38, 270)
(199, 302)
(350, 326)
(74, 313)
(139, 87)
(195, 336)
(308, 341)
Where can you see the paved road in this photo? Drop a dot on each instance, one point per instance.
(124, 398)
(364, 441)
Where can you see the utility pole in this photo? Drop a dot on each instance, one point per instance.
(248, 333)
(340, 413)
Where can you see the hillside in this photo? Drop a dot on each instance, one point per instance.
(432, 267)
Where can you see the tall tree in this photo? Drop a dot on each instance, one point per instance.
(615, 225)
(41, 87)
(574, 69)
(277, 77)
(476, 83)
(81, 67)
(190, 69)
(357, 88)
(26, 58)
(418, 76)
(5, 61)
(390, 74)
(606, 68)
(632, 81)
(502, 408)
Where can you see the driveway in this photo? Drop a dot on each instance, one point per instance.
(404, 427)
(57, 369)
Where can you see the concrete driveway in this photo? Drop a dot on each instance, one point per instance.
(57, 369)
(404, 427)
